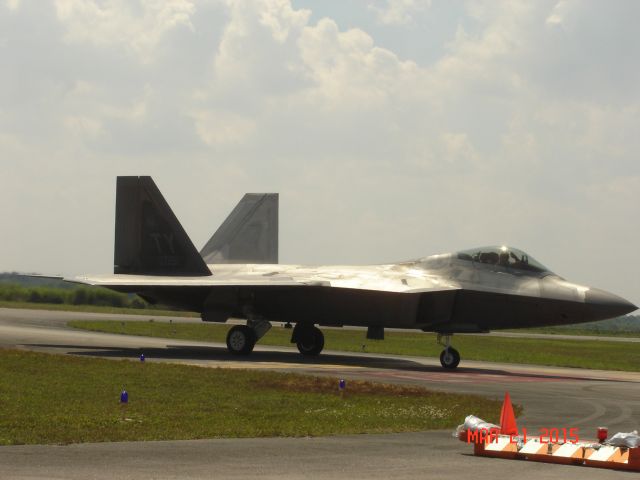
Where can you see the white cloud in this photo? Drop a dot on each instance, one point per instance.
(84, 126)
(559, 12)
(347, 70)
(281, 18)
(219, 128)
(458, 148)
(398, 12)
(256, 53)
(136, 26)
(13, 4)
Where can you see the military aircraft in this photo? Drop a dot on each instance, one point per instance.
(237, 275)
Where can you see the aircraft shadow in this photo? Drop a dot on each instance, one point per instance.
(220, 354)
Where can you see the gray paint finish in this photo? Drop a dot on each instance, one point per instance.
(469, 291)
(149, 238)
(249, 234)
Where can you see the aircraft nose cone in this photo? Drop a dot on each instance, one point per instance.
(608, 304)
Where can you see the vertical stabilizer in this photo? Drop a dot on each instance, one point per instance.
(149, 237)
(249, 234)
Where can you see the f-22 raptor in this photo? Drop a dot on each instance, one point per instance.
(237, 275)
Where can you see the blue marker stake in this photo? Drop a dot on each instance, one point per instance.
(142, 357)
(124, 401)
(342, 385)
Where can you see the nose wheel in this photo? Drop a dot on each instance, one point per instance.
(450, 357)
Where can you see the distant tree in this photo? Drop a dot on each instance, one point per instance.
(34, 296)
(137, 302)
(79, 296)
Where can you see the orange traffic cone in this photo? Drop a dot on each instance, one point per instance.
(508, 424)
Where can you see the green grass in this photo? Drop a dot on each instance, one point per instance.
(96, 309)
(567, 353)
(576, 331)
(68, 399)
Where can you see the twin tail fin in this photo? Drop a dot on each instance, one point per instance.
(249, 234)
(149, 239)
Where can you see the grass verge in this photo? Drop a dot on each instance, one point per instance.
(557, 352)
(576, 331)
(68, 399)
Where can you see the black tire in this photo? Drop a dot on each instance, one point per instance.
(311, 343)
(449, 358)
(241, 340)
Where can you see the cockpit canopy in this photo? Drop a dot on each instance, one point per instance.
(503, 256)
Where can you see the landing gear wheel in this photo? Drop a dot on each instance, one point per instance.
(241, 340)
(449, 358)
(311, 343)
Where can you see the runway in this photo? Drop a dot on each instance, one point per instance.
(552, 397)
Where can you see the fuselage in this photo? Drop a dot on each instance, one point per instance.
(446, 293)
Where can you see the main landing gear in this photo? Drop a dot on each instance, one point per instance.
(449, 358)
(242, 338)
(308, 338)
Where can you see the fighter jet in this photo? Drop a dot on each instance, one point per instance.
(236, 275)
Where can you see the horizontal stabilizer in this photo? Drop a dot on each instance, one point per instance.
(249, 234)
(149, 237)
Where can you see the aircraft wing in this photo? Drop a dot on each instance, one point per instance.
(121, 282)
(116, 281)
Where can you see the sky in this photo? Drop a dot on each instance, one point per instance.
(392, 129)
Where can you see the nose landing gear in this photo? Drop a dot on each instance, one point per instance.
(449, 358)
(242, 338)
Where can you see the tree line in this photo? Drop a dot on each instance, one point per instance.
(12, 292)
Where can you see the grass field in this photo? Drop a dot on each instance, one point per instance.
(568, 353)
(69, 399)
(576, 331)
